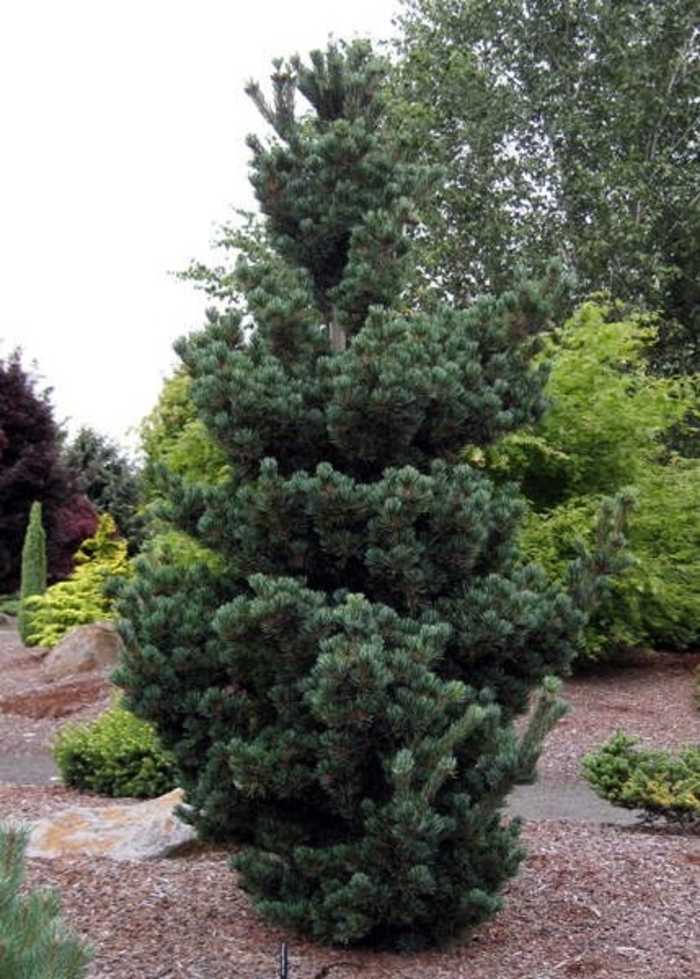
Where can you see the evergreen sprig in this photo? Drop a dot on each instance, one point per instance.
(34, 940)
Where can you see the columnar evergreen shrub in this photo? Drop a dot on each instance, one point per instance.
(34, 940)
(339, 684)
(33, 575)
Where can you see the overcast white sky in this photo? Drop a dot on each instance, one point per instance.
(122, 146)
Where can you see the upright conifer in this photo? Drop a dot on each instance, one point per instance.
(339, 674)
(33, 580)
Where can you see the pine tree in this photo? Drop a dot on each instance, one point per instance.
(33, 580)
(339, 674)
(34, 940)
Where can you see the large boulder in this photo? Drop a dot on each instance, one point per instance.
(96, 646)
(129, 831)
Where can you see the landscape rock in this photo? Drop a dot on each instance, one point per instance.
(96, 646)
(137, 831)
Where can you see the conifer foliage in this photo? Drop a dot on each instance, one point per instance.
(35, 942)
(33, 580)
(338, 675)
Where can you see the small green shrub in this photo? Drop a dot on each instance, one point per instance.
(117, 755)
(34, 940)
(660, 784)
(9, 605)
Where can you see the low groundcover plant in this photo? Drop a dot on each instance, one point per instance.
(662, 785)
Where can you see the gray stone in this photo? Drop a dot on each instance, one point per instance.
(96, 646)
(127, 831)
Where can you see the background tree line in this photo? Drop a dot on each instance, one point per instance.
(563, 129)
(74, 480)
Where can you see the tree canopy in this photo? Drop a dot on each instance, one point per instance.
(564, 129)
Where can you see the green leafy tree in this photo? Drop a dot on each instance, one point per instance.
(176, 449)
(109, 480)
(33, 581)
(174, 441)
(565, 129)
(339, 684)
(606, 430)
(34, 939)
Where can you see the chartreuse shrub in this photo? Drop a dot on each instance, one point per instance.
(661, 784)
(605, 433)
(33, 580)
(35, 942)
(117, 754)
(82, 598)
(658, 600)
(557, 540)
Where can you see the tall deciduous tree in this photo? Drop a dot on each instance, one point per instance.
(570, 129)
(31, 469)
(339, 677)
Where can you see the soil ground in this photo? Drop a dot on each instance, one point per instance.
(594, 897)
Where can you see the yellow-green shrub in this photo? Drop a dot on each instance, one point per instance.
(660, 784)
(82, 598)
(606, 431)
(117, 754)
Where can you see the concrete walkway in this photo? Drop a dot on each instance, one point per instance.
(572, 802)
(34, 769)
